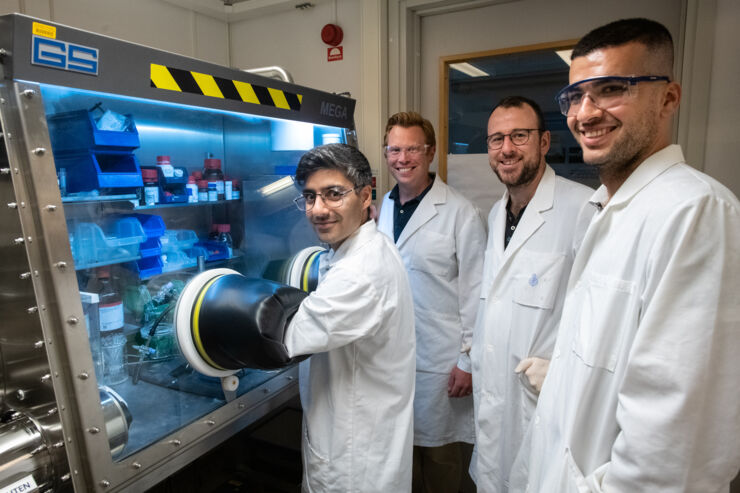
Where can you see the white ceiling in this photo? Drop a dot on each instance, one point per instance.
(241, 9)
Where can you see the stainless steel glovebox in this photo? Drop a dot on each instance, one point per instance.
(104, 218)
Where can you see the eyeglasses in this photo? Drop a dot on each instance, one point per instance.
(605, 92)
(395, 151)
(332, 198)
(518, 136)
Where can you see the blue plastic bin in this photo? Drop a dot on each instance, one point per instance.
(176, 260)
(153, 224)
(178, 239)
(151, 247)
(215, 250)
(146, 267)
(116, 240)
(77, 131)
(96, 170)
(154, 228)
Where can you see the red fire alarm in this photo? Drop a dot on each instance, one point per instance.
(332, 34)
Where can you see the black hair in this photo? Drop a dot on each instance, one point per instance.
(345, 158)
(519, 102)
(652, 34)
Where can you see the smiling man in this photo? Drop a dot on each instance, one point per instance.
(440, 236)
(357, 395)
(641, 394)
(533, 234)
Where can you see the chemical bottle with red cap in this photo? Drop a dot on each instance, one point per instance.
(224, 236)
(235, 192)
(192, 189)
(212, 174)
(163, 162)
(202, 191)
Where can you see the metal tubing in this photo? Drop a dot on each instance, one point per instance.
(272, 71)
(23, 452)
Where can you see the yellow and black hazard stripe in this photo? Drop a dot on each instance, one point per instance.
(175, 79)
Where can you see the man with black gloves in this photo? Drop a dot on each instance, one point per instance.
(357, 388)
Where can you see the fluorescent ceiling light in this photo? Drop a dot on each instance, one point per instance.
(565, 55)
(276, 186)
(468, 69)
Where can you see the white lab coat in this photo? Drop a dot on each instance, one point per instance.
(357, 399)
(521, 300)
(441, 247)
(642, 392)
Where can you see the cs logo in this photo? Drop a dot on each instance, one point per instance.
(64, 56)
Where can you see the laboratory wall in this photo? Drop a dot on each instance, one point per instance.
(149, 22)
(292, 40)
(722, 150)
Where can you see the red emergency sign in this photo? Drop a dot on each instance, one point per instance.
(334, 53)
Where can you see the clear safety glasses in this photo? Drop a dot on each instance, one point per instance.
(395, 151)
(333, 198)
(605, 92)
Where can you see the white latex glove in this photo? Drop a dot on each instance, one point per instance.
(535, 369)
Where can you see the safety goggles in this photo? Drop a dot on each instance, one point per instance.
(605, 92)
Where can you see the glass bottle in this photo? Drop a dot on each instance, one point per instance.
(213, 233)
(224, 234)
(202, 191)
(228, 184)
(213, 174)
(112, 338)
(212, 192)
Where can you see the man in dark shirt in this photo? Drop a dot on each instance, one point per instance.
(441, 237)
(533, 232)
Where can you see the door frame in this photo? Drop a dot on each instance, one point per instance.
(444, 94)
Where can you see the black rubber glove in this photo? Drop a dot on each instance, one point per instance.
(241, 322)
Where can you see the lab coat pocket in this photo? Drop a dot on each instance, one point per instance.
(577, 482)
(434, 253)
(529, 395)
(317, 464)
(536, 284)
(311, 448)
(606, 307)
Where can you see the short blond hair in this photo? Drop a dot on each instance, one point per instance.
(408, 119)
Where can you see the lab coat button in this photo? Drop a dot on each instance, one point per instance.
(536, 419)
(489, 348)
